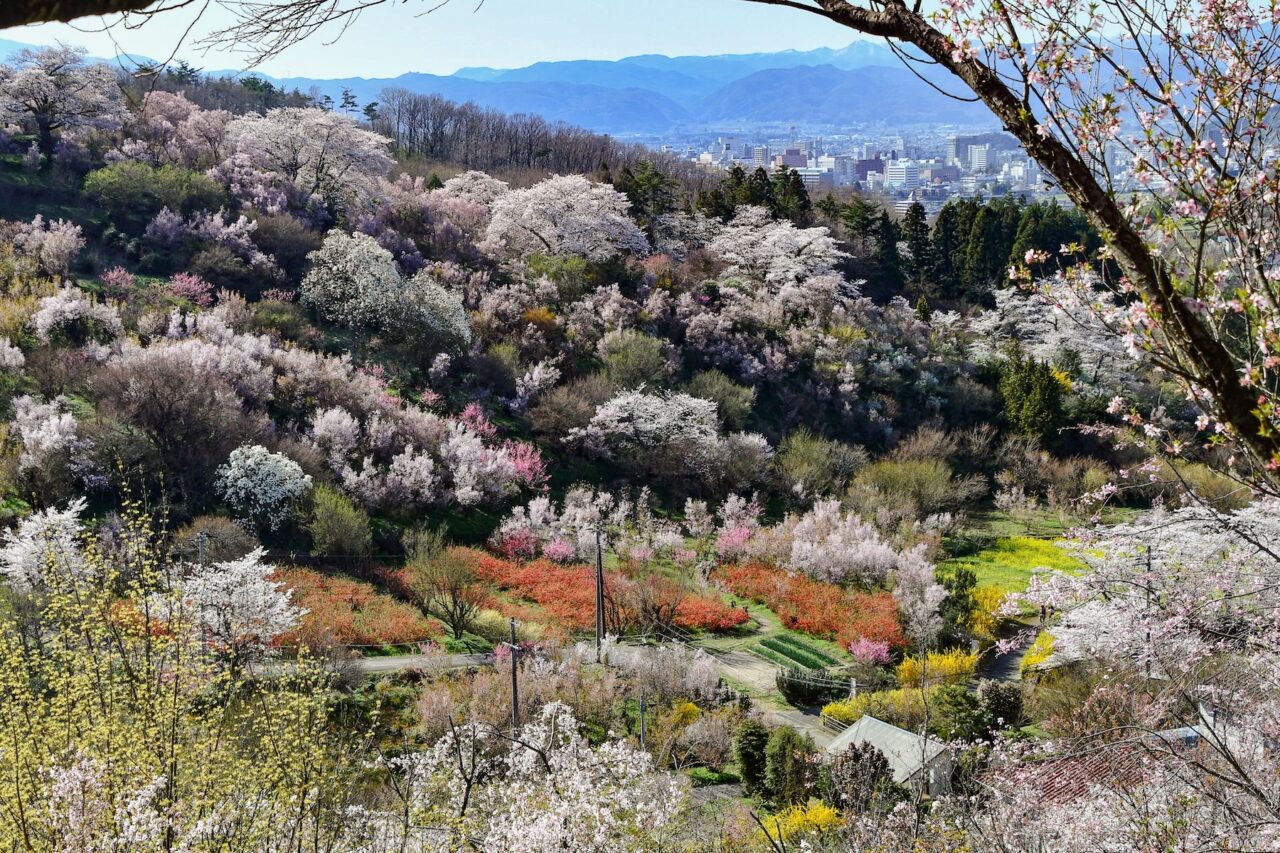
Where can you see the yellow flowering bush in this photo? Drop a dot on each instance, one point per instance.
(903, 707)
(1041, 650)
(985, 619)
(949, 666)
(813, 818)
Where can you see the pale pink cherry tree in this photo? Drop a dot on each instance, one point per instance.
(54, 89)
(565, 215)
(774, 252)
(321, 153)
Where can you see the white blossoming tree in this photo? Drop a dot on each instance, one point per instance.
(774, 251)
(262, 487)
(53, 90)
(321, 153)
(237, 606)
(566, 215)
(44, 543)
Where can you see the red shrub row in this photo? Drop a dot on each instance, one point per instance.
(567, 594)
(350, 612)
(815, 607)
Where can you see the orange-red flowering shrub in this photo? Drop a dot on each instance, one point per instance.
(567, 593)
(701, 613)
(350, 612)
(815, 607)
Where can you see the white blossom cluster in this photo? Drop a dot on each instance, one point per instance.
(774, 251)
(261, 486)
(55, 244)
(319, 152)
(76, 314)
(565, 215)
(549, 790)
(355, 281)
(45, 430)
(236, 605)
(44, 550)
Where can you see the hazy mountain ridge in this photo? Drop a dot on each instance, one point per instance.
(652, 94)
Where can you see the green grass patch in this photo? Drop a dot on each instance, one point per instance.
(795, 652)
(1009, 563)
(703, 776)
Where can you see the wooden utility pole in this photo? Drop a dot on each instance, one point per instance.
(515, 683)
(642, 710)
(599, 595)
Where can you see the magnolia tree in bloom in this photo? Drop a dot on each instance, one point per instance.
(566, 215)
(262, 487)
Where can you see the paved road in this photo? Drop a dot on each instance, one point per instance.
(393, 663)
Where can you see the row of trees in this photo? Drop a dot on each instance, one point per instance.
(966, 254)
(432, 127)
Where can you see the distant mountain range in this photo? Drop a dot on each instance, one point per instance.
(861, 84)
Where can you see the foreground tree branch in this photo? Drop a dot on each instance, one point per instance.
(15, 13)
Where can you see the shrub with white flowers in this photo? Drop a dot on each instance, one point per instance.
(43, 549)
(635, 424)
(45, 429)
(237, 605)
(352, 280)
(54, 244)
(75, 315)
(261, 486)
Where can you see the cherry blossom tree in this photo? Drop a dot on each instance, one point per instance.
(478, 187)
(54, 244)
(321, 153)
(566, 215)
(548, 790)
(44, 543)
(53, 90)
(237, 606)
(774, 251)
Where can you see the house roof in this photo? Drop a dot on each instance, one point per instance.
(905, 751)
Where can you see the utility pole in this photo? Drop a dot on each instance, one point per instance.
(200, 537)
(599, 595)
(642, 709)
(515, 684)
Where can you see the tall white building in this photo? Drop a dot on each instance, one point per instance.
(979, 157)
(902, 175)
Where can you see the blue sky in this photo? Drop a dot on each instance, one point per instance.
(390, 40)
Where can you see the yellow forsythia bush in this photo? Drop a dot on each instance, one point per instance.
(903, 707)
(812, 819)
(1041, 650)
(987, 601)
(951, 665)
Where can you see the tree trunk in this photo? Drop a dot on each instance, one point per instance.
(1206, 360)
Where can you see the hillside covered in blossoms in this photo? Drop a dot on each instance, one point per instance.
(361, 500)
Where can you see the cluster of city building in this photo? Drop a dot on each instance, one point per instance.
(929, 170)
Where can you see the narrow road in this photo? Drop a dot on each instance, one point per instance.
(394, 663)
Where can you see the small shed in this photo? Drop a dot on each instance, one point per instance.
(915, 760)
